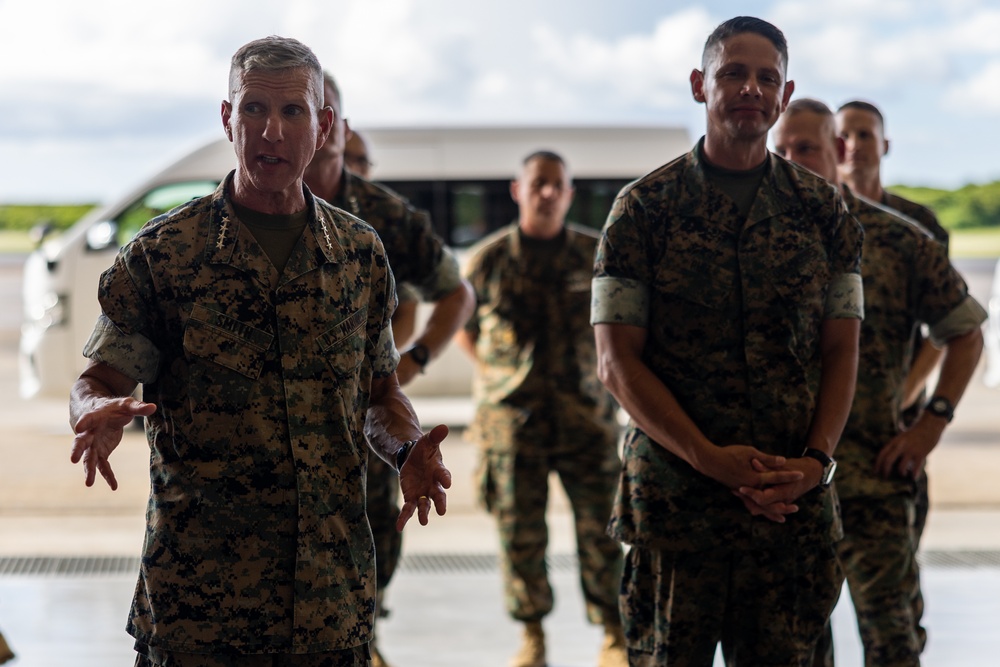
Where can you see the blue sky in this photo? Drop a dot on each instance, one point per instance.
(97, 94)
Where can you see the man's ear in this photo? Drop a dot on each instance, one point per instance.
(787, 96)
(325, 123)
(697, 79)
(885, 147)
(514, 190)
(841, 150)
(227, 114)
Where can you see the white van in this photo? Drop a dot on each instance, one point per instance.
(460, 175)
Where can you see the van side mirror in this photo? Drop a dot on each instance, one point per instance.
(102, 235)
(40, 231)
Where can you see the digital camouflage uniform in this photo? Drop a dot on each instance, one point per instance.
(540, 408)
(256, 536)
(733, 307)
(908, 281)
(421, 265)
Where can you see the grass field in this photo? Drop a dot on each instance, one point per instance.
(982, 242)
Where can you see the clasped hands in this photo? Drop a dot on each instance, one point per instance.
(767, 485)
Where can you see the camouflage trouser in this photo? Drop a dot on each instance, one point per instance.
(514, 488)
(824, 652)
(767, 606)
(148, 656)
(878, 556)
(383, 510)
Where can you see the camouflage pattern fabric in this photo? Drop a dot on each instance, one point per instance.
(424, 268)
(908, 280)
(420, 259)
(256, 539)
(926, 218)
(878, 555)
(541, 409)
(352, 657)
(733, 307)
(766, 604)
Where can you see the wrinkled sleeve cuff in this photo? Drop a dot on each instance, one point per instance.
(846, 299)
(446, 279)
(131, 354)
(386, 356)
(964, 318)
(619, 301)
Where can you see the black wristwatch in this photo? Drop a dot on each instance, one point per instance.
(420, 354)
(402, 453)
(829, 465)
(939, 406)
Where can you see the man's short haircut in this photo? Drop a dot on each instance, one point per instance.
(740, 25)
(808, 104)
(549, 156)
(328, 80)
(275, 54)
(861, 105)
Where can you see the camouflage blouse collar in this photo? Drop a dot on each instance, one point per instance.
(774, 197)
(226, 235)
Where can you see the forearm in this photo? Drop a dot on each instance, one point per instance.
(96, 384)
(961, 357)
(648, 401)
(923, 364)
(390, 420)
(449, 314)
(839, 358)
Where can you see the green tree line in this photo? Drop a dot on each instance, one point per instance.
(969, 206)
(22, 217)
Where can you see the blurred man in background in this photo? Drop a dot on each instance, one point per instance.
(539, 406)
(419, 260)
(908, 281)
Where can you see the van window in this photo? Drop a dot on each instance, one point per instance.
(465, 211)
(158, 201)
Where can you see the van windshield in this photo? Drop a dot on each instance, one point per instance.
(158, 201)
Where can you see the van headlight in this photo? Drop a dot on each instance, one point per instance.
(49, 311)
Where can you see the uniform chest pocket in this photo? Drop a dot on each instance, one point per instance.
(803, 277)
(343, 345)
(224, 359)
(698, 281)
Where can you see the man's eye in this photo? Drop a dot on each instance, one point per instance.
(293, 111)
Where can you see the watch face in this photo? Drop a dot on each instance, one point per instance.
(420, 354)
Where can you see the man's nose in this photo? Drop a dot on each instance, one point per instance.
(751, 87)
(274, 128)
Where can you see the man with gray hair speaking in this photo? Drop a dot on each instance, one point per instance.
(257, 321)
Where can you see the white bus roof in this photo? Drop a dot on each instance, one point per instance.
(460, 153)
(465, 153)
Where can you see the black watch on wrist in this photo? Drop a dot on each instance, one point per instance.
(829, 465)
(402, 453)
(939, 406)
(420, 354)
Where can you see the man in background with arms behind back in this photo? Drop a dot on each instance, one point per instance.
(539, 405)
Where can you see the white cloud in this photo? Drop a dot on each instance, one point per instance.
(979, 95)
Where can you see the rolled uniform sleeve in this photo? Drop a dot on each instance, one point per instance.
(383, 354)
(620, 291)
(845, 297)
(121, 337)
(943, 296)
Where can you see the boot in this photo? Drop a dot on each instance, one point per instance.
(377, 659)
(614, 652)
(532, 652)
(5, 652)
